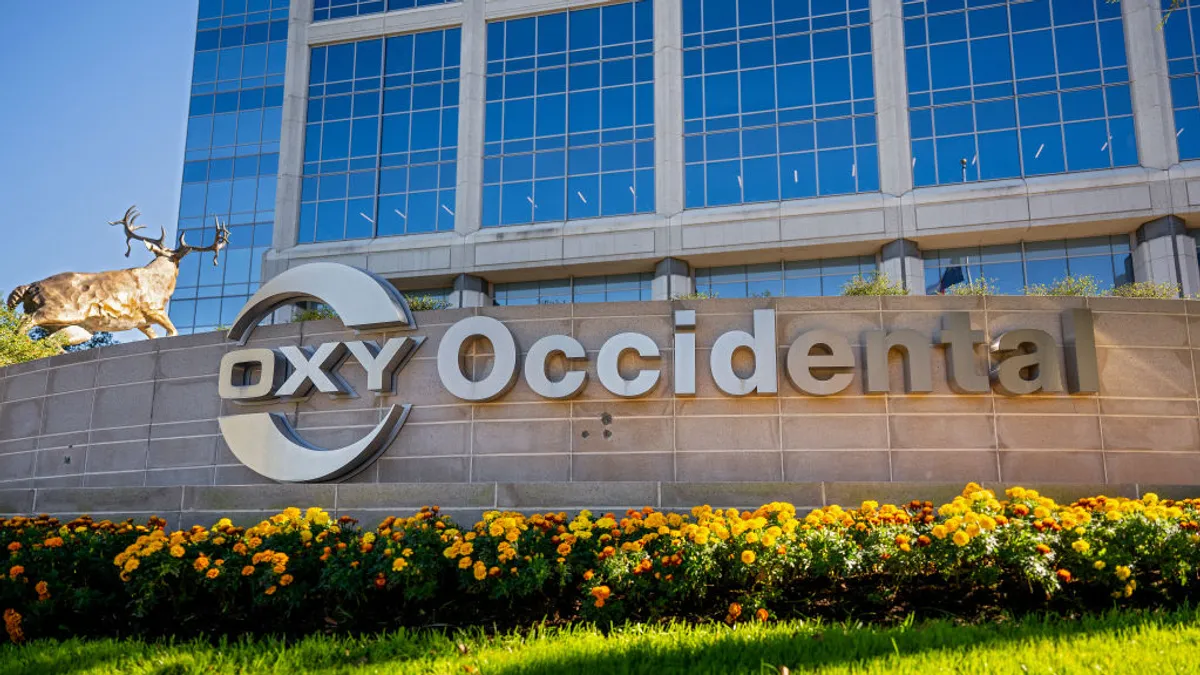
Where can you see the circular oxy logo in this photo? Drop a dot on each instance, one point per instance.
(267, 442)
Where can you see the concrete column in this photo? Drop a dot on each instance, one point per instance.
(291, 136)
(1166, 253)
(891, 97)
(672, 278)
(1150, 89)
(469, 291)
(468, 207)
(668, 107)
(901, 261)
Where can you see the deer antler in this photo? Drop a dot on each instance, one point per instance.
(131, 215)
(219, 243)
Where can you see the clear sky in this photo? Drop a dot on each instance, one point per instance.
(94, 112)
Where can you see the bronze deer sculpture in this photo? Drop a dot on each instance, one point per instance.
(79, 304)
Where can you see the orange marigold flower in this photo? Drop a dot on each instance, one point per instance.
(762, 615)
(15, 571)
(380, 581)
(601, 592)
(177, 551)
(15, 546)
(287, 579)
(43, 590)
(12, 624)
(587, 576)
(247, 570)
(279, 569)
(735, 610)
(200, 563)
(1043, 549)
(213, 573)
(53, 542)
(270, 591)
(564, 549)
(239, 548)
(1064, 575)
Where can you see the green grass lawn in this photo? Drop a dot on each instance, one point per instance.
(1127, 642)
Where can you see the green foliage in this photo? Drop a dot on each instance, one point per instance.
(980, 286)
(425, 303)
(1115, 642)
(16, 346)
(875, 283)
(1146, 289)
(1067, 287)
(314, 313)
(101, 339)
(695, 295)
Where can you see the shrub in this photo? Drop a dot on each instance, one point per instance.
(424, 303)
(1068, 286)
(1146, 289)
(317, 313)
(876, 283)
(300, 572)
(980, 286)
(695, 295)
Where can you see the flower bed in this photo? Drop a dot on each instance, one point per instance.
(303, 571)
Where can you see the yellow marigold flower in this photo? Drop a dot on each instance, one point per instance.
(1113, 515)
(748, 557)
(1099, 564)
(480, 572)
(1081, 546)
(464, 563)
(961, 538)
(270, 591)
(285, 580)
(213, 573)
(177, 551)
(939, 531)
(1122, 572)
(132, 564)
(399, 564)
(223, 523)
(406, 552)
(247, 570)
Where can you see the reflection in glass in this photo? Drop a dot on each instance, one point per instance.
(1182, 34)
(324, 10)
(804, 278)
(569, 120)
(779, 101)
(606, 288)
(1004, 90)
(1009, 269)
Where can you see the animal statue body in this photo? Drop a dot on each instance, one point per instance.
(76, 304)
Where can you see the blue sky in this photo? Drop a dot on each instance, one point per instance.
(94, 115)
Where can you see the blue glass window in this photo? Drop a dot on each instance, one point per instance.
(802, 278)
(605, 288)
(570, 116)
(1180, 34)
(1008, 269)
(231, 156)
(779, 100)
(324, 10)
(382, 138)
(999, 90)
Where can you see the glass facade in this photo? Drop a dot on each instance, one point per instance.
(1002, 90)
(795, 279)
(381, 141)
(231, 157)
(324, 10)
(570, 115)
(1010, 268)
(606, 288)
(779, 100)
(1180, 34)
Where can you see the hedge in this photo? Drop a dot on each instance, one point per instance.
(303, 571)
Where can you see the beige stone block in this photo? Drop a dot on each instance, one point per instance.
(693, 467)
(1139, 305)
(939, 403)
(1146, 373)
(851, 495)
(1141, 330)
(528, 312)
(853, 432)
(928, 323)
(748, 496)
(628, 367)
(1059, 432)
(640, 407)
(1000, 322)
(942, 431)
(942, 466)
(728, 433)
(727, 405)
(577, 494)
(623, 435)
(1052, 467)
(426, 440)
(418, 383)
(1174, 468)
(423, 414)
(641, 466)
(852, 325)
(846, 403)
(593, 332)
(521, 437)
(931, 303)
(836, 465)
(1150, 433)
(509, 409)
(1033, 303)
(710, 326)
(521, 469)
(623, 309)
(1047, 404)
(828, 304)
(1146, 406)
(424, 470)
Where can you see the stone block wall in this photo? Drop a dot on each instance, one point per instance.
(132, 428)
